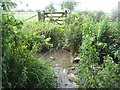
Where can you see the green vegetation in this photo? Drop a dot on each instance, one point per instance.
(93, 36)
(99, 38)
(20, 69)
(90, 35)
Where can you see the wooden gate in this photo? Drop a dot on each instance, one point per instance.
(54, 16)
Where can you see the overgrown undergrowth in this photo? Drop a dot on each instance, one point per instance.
(20, 69)
(91, 35)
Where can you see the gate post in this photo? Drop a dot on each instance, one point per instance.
(39, 16)
(43, 15)
(65, 13)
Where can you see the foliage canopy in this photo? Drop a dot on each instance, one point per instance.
(70, 5)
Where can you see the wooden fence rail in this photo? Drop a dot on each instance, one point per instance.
(55, 16)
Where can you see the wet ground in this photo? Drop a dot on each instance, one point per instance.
(61, 60)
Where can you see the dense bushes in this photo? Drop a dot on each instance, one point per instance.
(20, 69)
(99, 39)
(73, 33)
(54, 32)
(91, 35)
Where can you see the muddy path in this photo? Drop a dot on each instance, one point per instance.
(61, 61)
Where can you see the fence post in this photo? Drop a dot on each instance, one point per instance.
(43, 15)
(65, 13)
(39, 16)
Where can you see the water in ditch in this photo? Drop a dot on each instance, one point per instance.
(61, 61)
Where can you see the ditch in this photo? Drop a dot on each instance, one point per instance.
(62, 62)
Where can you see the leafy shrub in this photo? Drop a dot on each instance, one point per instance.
(20, 68)
(80, 24)
(74, 33)
(56, 33)
(93, 76)
(97, 38)
(109, 75)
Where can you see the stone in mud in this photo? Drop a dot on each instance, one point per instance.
(66, 47)
(72, 71)
(76, 65)
(65, 84)
(72, 77)
(75, 85)
(72, 68)
(76, 60)
(75, 72)
(52, 58)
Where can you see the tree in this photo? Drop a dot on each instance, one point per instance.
(50, 8)
(6, 6)
(70, 5)
(114, 14)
